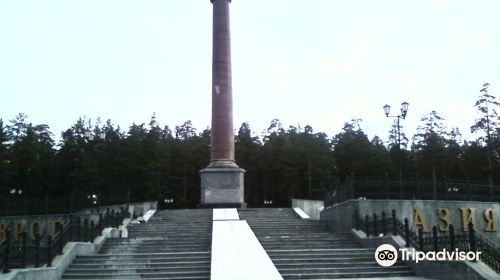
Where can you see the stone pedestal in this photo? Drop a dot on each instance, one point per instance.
(222, 186)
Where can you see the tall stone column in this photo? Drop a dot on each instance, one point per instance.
(222, 142)
(222, 181)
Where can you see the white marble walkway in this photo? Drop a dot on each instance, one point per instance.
(236, 252)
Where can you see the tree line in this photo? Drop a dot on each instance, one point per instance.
(151, 162)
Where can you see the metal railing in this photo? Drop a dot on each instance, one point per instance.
(471, 240)
(16, 251)
(27, 204)
(4, 253)
(386, 188)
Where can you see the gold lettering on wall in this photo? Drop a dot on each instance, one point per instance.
(18, 230)
(445, 216)
(36, 227)
(468, 215)
(53, 224)
(419, 220)
(490, 219)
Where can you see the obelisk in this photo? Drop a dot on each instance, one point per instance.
(222, 182)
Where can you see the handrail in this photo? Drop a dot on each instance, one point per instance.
(5, 252)
(386, 188)
(3, 247)
(45, 248)
(471, 241)
(490, 251)
(27, 204)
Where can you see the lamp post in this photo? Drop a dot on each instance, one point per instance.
(169, 202)
(90, 137)
(268, 203)
(14, 195)
(404, 111)
(93, 198)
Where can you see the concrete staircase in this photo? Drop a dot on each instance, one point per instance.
(174, 244)
(305, 249)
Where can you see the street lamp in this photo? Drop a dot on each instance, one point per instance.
(168, 201)
(89, 137)
(16, 191)
(93, 198)
(404, 111)
(14, 195)
(268, 202)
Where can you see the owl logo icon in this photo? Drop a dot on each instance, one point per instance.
(386, 255)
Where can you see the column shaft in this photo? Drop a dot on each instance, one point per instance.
(222, 140)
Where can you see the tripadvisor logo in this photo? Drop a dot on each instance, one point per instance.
(387, 255)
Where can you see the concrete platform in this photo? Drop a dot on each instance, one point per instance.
(237, 254)
(225, 214)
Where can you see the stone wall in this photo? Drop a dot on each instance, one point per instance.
(339, 216)
(446, 270)
(310, 207)
(47, 223)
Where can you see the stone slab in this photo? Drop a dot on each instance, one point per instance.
(222, 186)
(237, 254)
(312, 208)
(301, 213)
(148, 215)
(225, 214)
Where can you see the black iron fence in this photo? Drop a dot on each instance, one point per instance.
(18, 251)
(386, 188)
(470, 241)
(25, 204)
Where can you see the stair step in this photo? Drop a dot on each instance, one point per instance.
(141, 264)
(132, 275)
(124, 261)
(111, 270)
(350, 269)
(347, 275)
(320, 259)
(176, 244)
(129, 277)
(327, 263)
(322, 250)
(305, 249)
(144, 254)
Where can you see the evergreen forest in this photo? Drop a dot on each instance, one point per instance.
(154, 162)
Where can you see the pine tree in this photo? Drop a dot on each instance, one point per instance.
(487, 105)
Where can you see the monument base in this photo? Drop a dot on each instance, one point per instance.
(222, 186)
(222, 205)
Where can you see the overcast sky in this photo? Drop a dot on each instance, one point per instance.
(319, 62)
